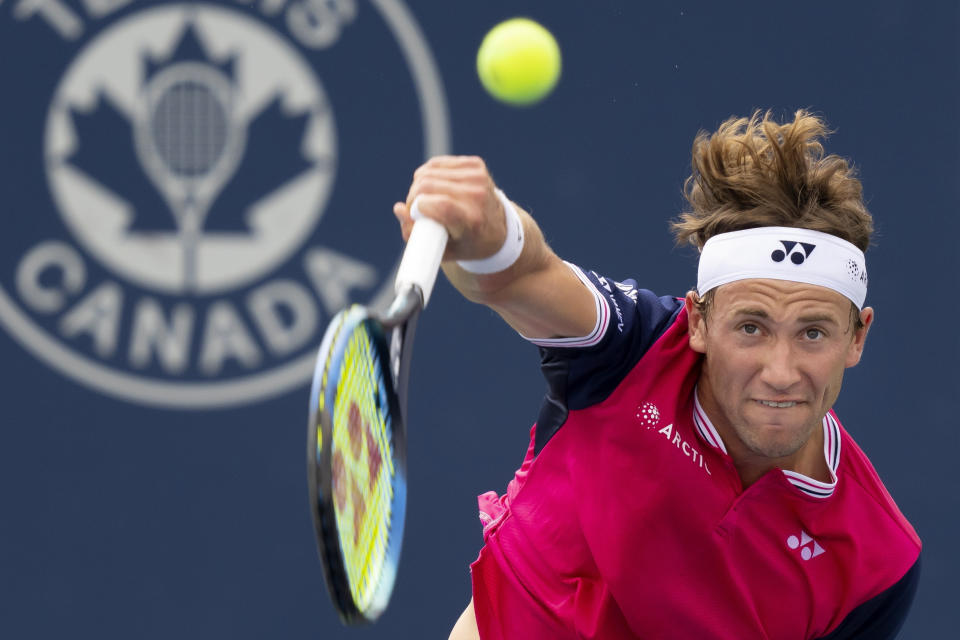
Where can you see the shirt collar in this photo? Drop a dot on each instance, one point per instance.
(806, 484)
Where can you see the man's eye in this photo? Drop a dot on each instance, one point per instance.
(814, 334)
(750, 329)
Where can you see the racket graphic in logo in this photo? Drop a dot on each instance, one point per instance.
(230, 159)
(189, 143)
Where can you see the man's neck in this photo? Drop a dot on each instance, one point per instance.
(809, 461)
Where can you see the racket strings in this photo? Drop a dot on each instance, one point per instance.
(363, 466)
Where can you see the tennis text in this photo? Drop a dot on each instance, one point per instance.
(315, 24)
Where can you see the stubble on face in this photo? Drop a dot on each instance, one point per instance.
(772, 342)
(752, 432)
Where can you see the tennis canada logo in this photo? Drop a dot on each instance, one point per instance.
(192, 190)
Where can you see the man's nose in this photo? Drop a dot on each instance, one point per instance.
(781, 367)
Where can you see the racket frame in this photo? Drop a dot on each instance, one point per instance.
(399, 323)
(416, 276)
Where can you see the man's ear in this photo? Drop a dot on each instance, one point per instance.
(855, 350)
(698, 324)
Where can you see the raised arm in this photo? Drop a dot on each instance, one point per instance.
(538, 295)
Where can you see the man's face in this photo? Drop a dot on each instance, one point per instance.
(775, 352)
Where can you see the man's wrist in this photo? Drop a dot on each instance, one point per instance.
(512, 244)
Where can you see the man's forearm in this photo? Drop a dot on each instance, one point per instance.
(539, 296)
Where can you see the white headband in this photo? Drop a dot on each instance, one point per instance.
(784, 253)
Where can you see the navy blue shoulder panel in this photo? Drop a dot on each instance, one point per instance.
(881, 617)
(579, 377)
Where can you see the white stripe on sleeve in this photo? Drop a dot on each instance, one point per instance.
(599, 329)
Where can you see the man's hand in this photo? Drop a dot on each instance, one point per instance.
(457, 192)
(538, 295)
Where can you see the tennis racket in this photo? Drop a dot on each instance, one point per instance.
(356, 442)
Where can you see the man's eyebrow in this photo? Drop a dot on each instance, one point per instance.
(805, 319)
(818, 317)
(747, 311)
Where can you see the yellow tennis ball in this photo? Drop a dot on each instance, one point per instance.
(519, 62)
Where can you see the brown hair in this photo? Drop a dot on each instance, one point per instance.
(758, 173)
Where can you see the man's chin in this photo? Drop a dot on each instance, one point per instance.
(776, 440)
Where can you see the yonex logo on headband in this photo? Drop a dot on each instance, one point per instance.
(810, 257)
(796, 257)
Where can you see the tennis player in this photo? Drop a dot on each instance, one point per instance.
(687, 477)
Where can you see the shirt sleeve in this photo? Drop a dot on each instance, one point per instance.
(881, 617)
(582, 371)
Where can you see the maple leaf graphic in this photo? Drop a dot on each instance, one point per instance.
(106, 154)
(273, 156)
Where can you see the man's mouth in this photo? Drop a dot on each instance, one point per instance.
(778, 405)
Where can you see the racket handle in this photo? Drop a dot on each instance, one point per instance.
(421, 258)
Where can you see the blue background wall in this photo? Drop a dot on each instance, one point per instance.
(124, 519)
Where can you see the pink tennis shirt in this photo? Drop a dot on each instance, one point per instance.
(627, 518)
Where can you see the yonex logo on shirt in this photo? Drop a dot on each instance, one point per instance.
(804, 544)
(797, 254)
